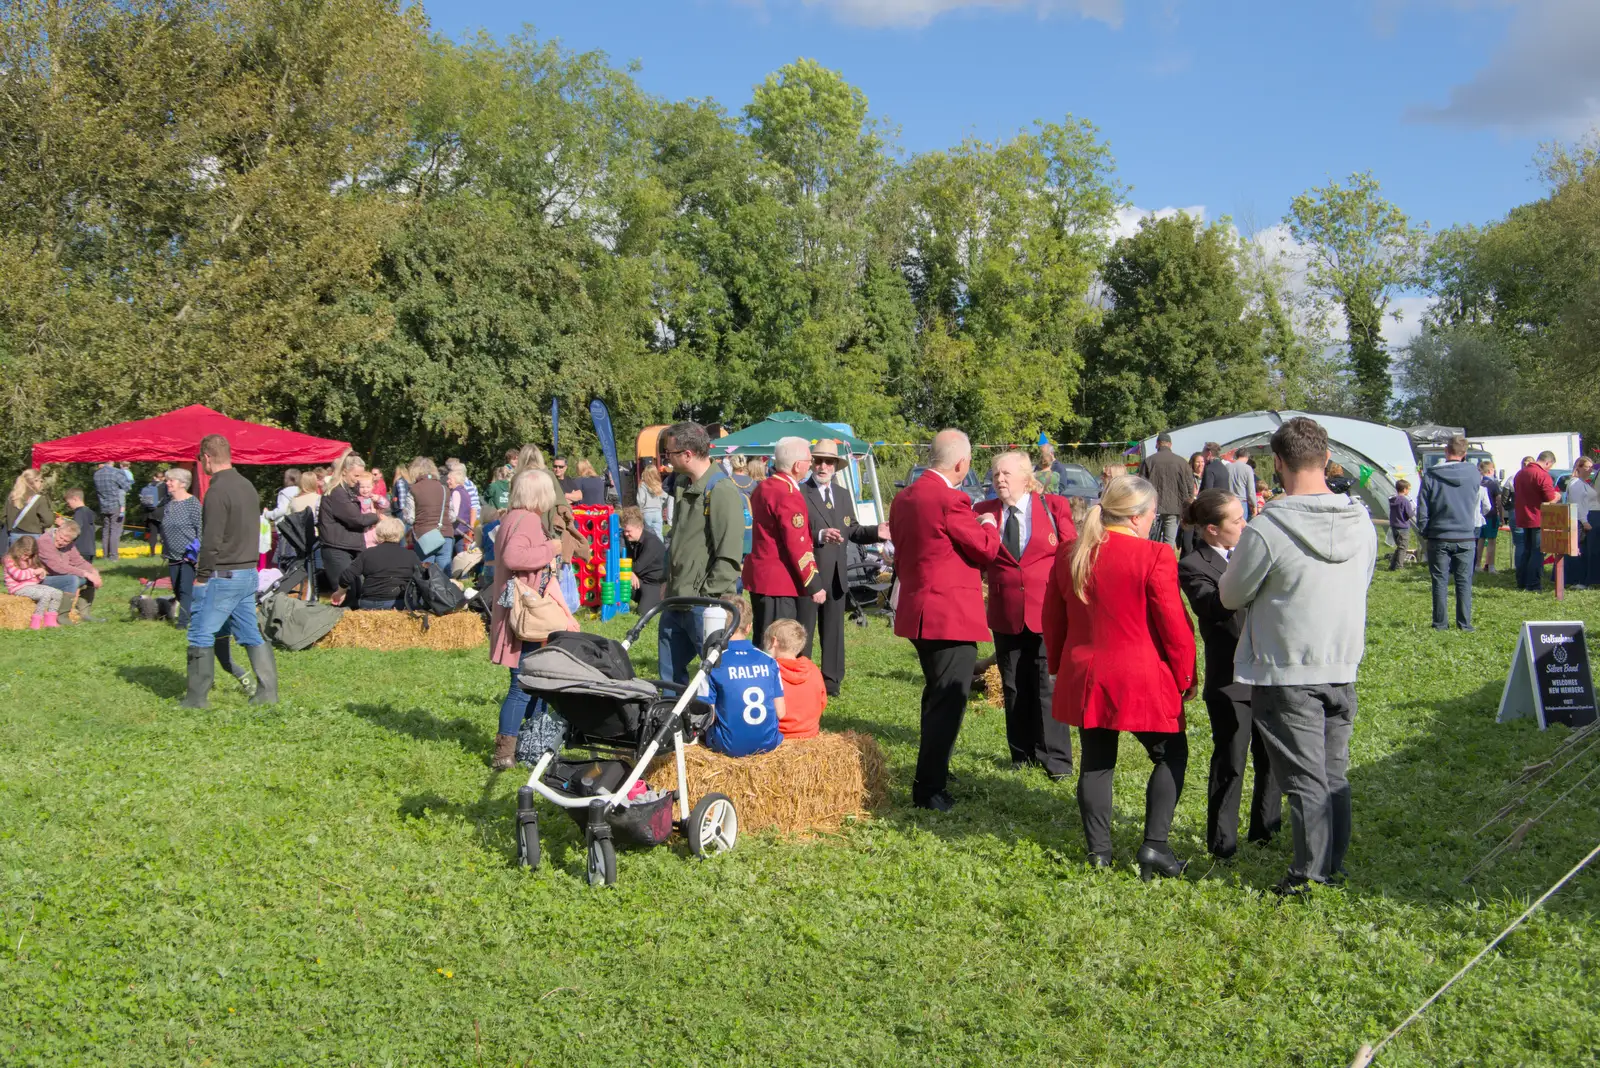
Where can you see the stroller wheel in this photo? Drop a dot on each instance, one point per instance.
(602, 863)
(713, 826)
(528, 842)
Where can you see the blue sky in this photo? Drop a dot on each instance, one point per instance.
(1231, 104)
(1235, 106)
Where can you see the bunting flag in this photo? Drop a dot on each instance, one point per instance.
(1364, 474)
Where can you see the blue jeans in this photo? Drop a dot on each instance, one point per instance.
(182, 574)
(681, 637)
(514, 709)
(377, 604)
(1530, 560)
(440, 556)
(67, 584)
(224, 606)
(1447, 560)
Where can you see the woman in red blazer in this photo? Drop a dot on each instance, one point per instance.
(1122, 650)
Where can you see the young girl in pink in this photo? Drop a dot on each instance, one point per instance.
(371, 501)
(25, 578)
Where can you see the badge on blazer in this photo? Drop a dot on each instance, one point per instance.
(799, 520)
(848, 520)
(1052, 538)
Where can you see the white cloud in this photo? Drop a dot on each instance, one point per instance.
(916, 13)
(1128, 218)
(1545, 78)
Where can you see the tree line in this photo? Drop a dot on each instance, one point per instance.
(320, 214)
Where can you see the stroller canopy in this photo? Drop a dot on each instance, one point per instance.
(552, 669)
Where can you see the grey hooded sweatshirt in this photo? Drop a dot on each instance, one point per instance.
(1302, 568)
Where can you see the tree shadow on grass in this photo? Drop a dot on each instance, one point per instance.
(424, 726)
(164, 682)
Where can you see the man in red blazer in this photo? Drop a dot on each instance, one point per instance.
(781, 567)
(1032, 526)
(941, 548)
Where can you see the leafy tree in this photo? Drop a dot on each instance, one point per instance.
(1362, 249)
(1460, 377)
(1002, 245)
(522, 272)
(1176, 345)
(185, 199)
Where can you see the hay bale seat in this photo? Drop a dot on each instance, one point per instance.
(806, 785)
(388, 630)
(15, 611)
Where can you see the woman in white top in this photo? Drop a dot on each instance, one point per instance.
(1584, 569)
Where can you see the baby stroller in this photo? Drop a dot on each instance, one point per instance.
(297, 543)
(621, 722)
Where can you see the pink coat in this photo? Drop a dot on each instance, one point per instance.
(521, 548)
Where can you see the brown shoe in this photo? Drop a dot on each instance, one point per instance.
(505, 752)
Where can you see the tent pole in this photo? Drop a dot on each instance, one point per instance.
(877, 494)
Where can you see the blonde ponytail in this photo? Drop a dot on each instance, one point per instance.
(1124, 498)
(1091, 535)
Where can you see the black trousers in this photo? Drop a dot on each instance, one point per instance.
(947, 681)
(767, 608)
(829, 618)
(1235, 737)
(334, 564)
(1098, 748)
(1033, 735)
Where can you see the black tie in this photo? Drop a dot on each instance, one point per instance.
(827, 497)
(1013, 533)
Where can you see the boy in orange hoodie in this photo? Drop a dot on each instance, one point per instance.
(804, 693)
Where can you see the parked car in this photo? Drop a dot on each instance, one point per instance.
(971, 484)
(1078, 482)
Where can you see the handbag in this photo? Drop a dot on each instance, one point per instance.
(430, 542)
(464, 562)
(535, 614)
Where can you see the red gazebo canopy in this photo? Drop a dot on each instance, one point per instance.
(175, 438)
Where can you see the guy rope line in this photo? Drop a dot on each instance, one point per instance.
(1511, 805)
(1367, 1053)
(1515, 837)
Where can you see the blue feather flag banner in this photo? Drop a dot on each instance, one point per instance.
(555, 428)
(608, 441)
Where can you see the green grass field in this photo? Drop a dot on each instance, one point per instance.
(331, 882)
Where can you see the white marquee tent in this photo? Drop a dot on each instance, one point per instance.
(1355, 443)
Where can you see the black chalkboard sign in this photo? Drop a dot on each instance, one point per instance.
(1550, 676)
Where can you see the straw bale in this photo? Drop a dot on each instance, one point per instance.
(390, 630)
(986, 682)
(15, 611)
(805, 785)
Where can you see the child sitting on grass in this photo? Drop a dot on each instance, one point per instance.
(746, 692)
(805, 695)
(25, 578)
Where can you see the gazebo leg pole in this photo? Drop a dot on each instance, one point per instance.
(1561, 578)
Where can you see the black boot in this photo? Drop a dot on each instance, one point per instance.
(266, 674)
(202, 670)
(246, 681)
(1159, 860)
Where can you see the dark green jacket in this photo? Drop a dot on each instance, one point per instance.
(707, 541)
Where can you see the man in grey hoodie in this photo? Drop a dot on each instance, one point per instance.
(1301, 569)
(1451, 505)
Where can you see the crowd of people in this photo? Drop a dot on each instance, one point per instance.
(1084, 602)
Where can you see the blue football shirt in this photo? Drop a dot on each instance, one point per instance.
(743, 688)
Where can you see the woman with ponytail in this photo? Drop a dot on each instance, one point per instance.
(1122, 650)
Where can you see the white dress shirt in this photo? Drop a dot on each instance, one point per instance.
(1024, 509)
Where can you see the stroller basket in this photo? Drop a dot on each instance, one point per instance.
(643, 823)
